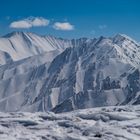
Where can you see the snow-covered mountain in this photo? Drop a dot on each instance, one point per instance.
(20, 45)
(47, 73)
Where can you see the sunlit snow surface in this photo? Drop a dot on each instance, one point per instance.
(106, 123)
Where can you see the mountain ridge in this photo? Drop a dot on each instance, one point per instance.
(72, 74)
(20, 45)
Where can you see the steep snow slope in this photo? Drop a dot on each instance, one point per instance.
(107, 123)
(21, 45)
(88, 73)
(5, 58)
(97, 73)
(19, 78)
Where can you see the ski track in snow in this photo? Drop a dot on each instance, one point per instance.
(106, 123)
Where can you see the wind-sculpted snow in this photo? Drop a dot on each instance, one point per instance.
(63, 75)
(106, 123)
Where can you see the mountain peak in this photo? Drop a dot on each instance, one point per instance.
(68, 74)
(123, 37)
(14, 33)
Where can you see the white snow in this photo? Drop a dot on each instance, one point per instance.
(54, 96)
(79, 77)
(74, 72)
(106, 123)
(20, 45)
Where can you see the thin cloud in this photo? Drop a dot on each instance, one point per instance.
(93, 32)
(102, 26)
(30, 22)
(66, 26)
(7, 17)
(20, 24)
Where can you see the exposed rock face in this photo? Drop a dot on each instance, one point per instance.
(63, 75)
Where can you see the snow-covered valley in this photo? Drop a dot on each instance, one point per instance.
(106, 123)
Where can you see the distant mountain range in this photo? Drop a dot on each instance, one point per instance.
(42, 73)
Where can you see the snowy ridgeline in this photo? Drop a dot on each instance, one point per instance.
(106, 123)
(45, 73)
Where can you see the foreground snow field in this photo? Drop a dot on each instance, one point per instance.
(106, 123)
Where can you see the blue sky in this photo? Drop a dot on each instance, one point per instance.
(72, 18)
